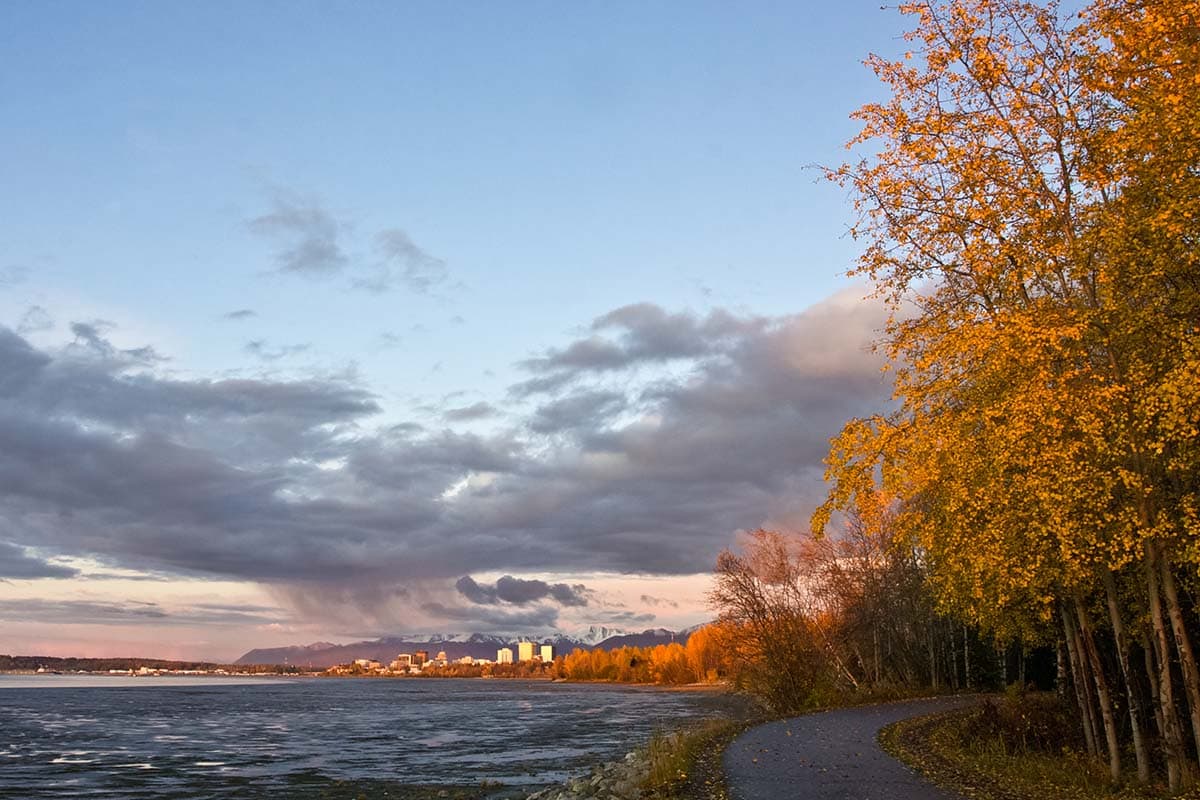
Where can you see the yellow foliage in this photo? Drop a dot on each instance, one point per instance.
(1032, 216)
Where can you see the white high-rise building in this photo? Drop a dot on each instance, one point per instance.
(504, 655)
(547, 653)
(525, 651)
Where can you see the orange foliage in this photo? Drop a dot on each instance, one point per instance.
(674, 664)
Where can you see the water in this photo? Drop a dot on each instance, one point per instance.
(67, 736)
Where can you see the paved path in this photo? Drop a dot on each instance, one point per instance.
(832, 755)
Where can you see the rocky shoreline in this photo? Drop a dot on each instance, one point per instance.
(614, 780)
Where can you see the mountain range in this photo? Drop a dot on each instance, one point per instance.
(321, 655)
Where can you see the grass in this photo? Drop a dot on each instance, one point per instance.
(950, 751)
(686, 765)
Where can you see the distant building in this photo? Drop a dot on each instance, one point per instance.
(402, 662)
(504, 655)
(441, 656)
(367, 663)
(525, 651)
(466, 660)
(547, 652)
(420, 657)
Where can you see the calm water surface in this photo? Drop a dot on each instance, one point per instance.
(66, 736)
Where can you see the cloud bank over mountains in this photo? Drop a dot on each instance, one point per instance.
(640, 447)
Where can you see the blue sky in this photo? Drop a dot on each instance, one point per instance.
(510, 172)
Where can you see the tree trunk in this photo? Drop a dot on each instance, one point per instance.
(1183, 644)
(1152, 673)
(1172, 735)
(875, 642)
(1021, 664)
(933, 671)
(1060, 677)
(1079, 681)
(1102, 694)
(1131, 692)
(953, 659)
(966, 660)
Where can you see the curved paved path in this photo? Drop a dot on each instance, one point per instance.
(832, 755)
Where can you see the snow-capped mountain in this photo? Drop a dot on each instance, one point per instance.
(595, 634)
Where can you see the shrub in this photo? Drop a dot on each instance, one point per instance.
(1023, 722)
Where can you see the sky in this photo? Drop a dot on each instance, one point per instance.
(334, 321)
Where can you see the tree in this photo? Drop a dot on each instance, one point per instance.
(1032, 217)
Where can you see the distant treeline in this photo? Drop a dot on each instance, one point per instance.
(32, 663)
(699, 661)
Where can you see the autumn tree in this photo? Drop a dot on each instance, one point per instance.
(766, 603)
(807, 620)
(1032, 217)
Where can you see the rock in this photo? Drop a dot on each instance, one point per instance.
(615, 780)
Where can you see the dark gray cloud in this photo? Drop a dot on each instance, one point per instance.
(91, 337)
(518, 591)
(287, 483)
(586, 410)
(16, 563)
(240, 314)
(401, 262)
(486, 619)
(91, 334)
(131, 613)
(480, 410)
(624, 618)
(305, 233)
(643, 333)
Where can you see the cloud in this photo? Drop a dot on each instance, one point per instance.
(587, 410)
(516, 591)
(495, 619)
(289, 483)
(11, 275)
(35, 320)
(306, 235)
(311, 242)
(642, 333)
(91, 334)
(91, 337)
(388, 341)
(240, 314)
(262, 349)
(625, 618)
(16, 563)
(131, 612)
(401, 261)
(480, 410)
(658, 602)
